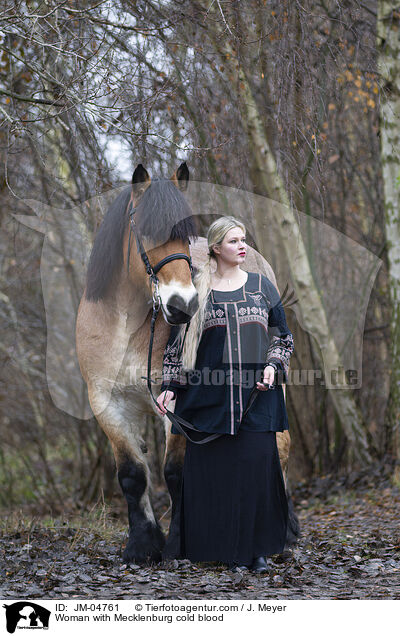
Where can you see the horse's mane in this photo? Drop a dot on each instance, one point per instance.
(162, 215)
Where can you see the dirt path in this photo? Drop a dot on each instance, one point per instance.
(349, 549)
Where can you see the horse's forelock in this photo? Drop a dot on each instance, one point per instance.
(163, 213)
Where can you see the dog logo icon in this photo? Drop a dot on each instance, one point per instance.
(26, 615)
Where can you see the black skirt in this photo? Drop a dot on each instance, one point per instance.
(234, 505)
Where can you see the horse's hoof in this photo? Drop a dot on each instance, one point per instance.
(144, 551)
(130, 555)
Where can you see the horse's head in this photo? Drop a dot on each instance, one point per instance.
(161, 229)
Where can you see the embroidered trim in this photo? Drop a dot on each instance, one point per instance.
(281, 349)
(216, 317)
(214, 323)
(253, 310)
(243, 320)
(239, 344)
(214, 313)
(259, 297)
(230, 369)
(172, 365)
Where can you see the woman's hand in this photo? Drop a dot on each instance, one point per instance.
(163, 400)
(269, 376)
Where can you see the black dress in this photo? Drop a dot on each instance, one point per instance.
(234, 505)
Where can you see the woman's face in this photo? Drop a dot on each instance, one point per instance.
(233, 248)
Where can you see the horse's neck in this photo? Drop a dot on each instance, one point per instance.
(130, 299)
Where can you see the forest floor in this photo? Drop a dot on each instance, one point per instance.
(349, 548)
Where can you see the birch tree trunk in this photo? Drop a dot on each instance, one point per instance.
(388, 45)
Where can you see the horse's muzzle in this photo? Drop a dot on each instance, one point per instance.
(178, 311)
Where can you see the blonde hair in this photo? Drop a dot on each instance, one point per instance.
(215, 235)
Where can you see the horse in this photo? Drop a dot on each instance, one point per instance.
(140, 254)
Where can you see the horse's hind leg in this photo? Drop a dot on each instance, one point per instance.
(173, 471)
(293, 530)
(146, 539)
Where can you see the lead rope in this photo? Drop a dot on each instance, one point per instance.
(175, 419)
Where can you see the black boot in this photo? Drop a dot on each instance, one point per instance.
(259, 565)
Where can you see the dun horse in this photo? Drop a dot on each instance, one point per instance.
(127, 266)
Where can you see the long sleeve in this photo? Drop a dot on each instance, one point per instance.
(281, 344)
(172, 377)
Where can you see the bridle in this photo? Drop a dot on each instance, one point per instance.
(151, 271)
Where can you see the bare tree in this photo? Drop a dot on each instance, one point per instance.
(278, 98)
(389, 65)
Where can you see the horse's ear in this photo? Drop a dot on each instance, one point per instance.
(181, 177)
(140, 175)
(140, 180)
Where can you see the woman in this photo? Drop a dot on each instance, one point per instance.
(234, 506)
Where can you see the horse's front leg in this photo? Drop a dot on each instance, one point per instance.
(173, 472)
(146, 539)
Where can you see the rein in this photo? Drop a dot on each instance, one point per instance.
(178, 421)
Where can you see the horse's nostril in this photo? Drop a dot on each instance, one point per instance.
(176, 303)
(174, 311)
(176, 316)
